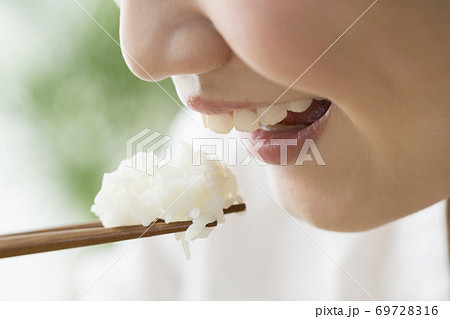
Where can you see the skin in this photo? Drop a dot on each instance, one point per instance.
(386, 143)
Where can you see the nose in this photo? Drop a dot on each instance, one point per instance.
(170, 37)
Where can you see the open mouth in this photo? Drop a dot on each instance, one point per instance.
(280, 130)
(278, 117)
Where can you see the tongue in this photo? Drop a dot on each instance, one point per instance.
(314, 112)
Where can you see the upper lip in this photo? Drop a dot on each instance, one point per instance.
(208, 106)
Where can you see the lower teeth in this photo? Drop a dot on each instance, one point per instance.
(280, 127)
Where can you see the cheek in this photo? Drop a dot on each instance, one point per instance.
(281, 41)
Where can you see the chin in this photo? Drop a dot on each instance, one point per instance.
(345, 211)
(327, 215)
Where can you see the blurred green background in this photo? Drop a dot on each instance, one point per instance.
(68, 104)
(82, 101)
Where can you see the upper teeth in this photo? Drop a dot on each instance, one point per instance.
(248, 120)
(220, 123)
(272, 115)
(298, 106)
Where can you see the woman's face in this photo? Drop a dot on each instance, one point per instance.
(385, 138)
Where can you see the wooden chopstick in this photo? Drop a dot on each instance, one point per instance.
(47, 230)
(37, 243)
(232, 209)
(88, 234)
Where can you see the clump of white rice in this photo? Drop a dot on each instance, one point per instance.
(178, 191)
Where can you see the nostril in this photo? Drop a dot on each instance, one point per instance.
(158, 46)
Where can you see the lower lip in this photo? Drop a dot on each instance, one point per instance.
(271, 154)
